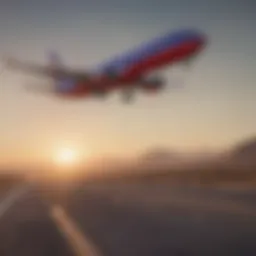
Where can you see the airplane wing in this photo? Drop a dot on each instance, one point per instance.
(48, 71)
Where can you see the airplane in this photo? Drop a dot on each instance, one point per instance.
(127, 72)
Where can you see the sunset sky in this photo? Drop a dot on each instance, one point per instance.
(215, 108)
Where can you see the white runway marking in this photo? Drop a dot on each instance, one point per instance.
(80, 245)
(11, 198)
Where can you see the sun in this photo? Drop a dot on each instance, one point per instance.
(66, 156)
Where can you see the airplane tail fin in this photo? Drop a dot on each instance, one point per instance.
(55, 59)
(60, 84)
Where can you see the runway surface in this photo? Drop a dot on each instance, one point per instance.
(128, 219)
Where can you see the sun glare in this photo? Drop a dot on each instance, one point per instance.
(66, 156)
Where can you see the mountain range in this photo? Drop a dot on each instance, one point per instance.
(241, 154)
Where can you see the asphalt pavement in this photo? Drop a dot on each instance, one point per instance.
(128, 219)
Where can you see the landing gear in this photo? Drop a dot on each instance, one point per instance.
(111, 74)
(128, 95)
(100, 94)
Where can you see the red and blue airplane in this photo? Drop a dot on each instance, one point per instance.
(128, 72)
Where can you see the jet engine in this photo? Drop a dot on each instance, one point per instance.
(153, 84)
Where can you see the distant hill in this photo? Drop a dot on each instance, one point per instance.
(160, 158)
(205, 167)
(246, 150)
(244, 153)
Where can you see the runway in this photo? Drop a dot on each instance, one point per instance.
(129, 219)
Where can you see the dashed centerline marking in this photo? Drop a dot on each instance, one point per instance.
(81, 245)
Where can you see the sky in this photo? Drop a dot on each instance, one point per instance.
(214, 108)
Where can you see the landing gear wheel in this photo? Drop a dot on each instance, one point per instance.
(128, 96)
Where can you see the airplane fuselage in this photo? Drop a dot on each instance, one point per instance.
(128, 68)
(126, 72)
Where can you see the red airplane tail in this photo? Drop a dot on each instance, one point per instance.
(63, 85)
